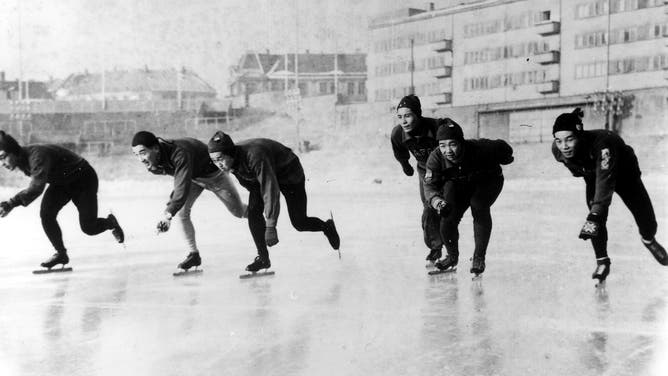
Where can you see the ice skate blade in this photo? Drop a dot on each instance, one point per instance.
(429, 265)
(52, 270)
(477, 277)
(187, 272)
(600, 284)
(438, 271)
(256, 274)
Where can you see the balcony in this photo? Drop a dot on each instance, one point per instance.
(446, 98)
(443, 45)
(546, 28)
(549, 87)
(551, 57)
(444, 72)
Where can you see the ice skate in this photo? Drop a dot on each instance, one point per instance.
(257, 265)
(448, 264)
(331, 233)
(57, 258)
(657, 251)
(477, 268)
(601, 272)
(432, 257)
(192, 260)
(116, 229)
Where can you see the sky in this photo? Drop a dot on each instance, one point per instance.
(43, 38)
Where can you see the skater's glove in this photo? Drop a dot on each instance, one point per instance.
(163, 224)
(271, 236)
(591, 227)
(442, 207)
(5, 208)
(408, 169)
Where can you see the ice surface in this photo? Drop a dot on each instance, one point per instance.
(374, 312)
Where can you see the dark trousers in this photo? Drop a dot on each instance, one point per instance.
(83, 193)
(430, 219)
(295, 199)
(479, 196)
(634, 195)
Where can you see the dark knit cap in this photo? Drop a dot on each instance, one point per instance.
(449, 130)
(570, 121)
(8, 144)
(221, 143)
(413, 102)
(145, 138)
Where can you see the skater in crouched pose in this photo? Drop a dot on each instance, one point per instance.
(69, 177)
(416, 135)
(187, 160)
(268, 168)
(461, 174)
(607, 165)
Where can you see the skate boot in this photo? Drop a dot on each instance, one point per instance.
(331, 234)
(116, 229)
(259, 263)
(191, 260)
(657, 251)
(57, 258)
(434, 255)
(449, 262)
(602, 270)
(478, 266)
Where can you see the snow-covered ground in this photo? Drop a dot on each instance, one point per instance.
(374, 312)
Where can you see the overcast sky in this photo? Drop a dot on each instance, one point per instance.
(55, 38)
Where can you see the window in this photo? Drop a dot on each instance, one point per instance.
(351, 88)
(323, 88)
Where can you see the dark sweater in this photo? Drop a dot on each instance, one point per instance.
(481, 160)
(47, 164)
(265, 164)
(603, 159)
(184, 159)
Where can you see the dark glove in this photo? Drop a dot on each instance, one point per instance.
(591, 227)
(5, 208)
(408, 169)
(442, 207)
(164, 224)
(270, 236)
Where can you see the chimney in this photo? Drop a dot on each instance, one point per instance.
(266, 51)
(430, 6)
(307, 51)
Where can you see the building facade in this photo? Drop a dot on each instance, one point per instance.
(317, 74)
(512, 65)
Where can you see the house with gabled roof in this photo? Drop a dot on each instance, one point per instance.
(318, 74)
(137, 84)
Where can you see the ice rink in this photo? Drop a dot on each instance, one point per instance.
(374, 312)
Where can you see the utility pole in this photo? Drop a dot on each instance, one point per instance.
(412, 68)
(299, 94)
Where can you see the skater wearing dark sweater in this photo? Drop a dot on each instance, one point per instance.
(267, 168)
(69, 178)
(187, 160)
(461, 174)
(416, 135)
(607, 165)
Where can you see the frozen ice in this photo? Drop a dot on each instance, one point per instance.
(374, 312)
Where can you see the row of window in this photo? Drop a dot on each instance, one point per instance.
(506, 52)
(505, 80)
(622, 66)
(400, 91)
(620, 35)
(512, 22)
(600, 7)
(404, 41)
(404, 66)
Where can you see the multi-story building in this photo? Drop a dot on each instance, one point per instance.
(508, 67)
(317, 73)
